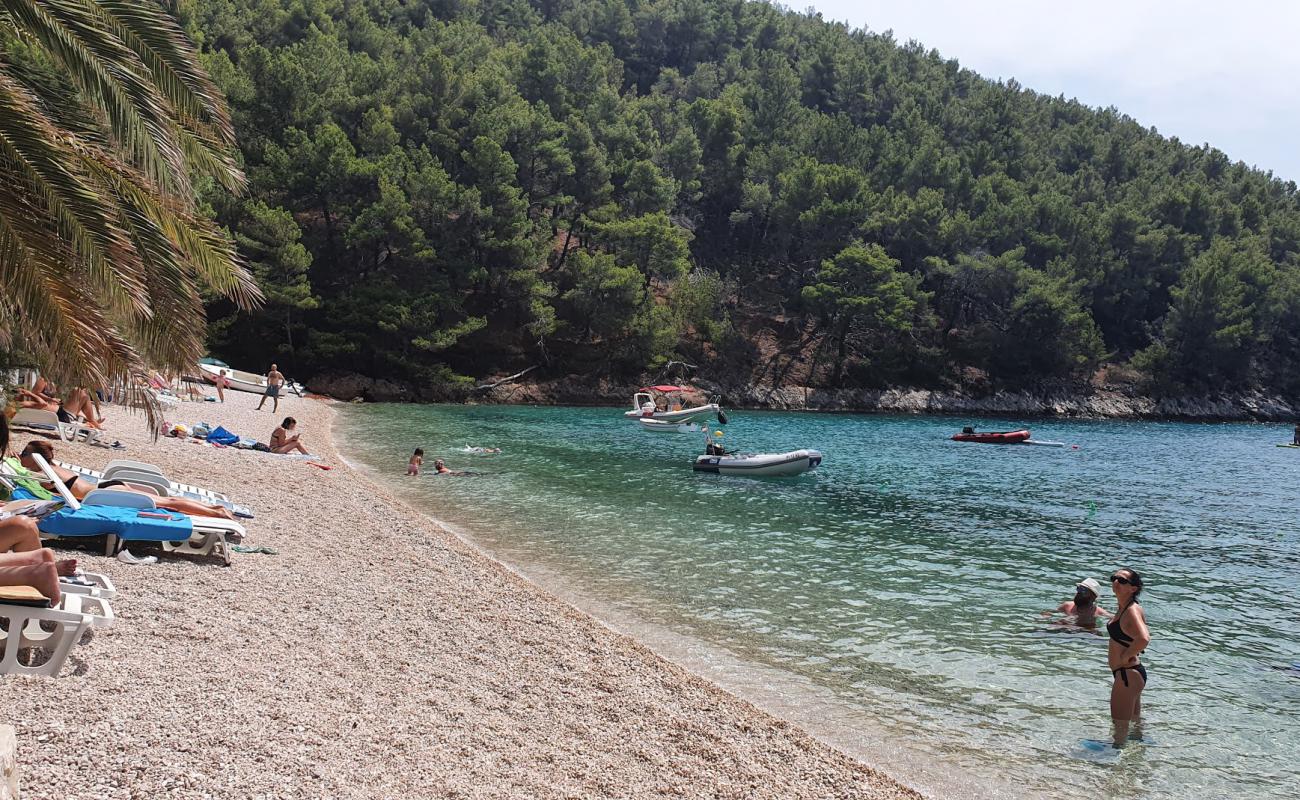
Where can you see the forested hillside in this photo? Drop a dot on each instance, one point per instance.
(455, 187)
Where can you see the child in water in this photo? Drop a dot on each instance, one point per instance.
(413, 467)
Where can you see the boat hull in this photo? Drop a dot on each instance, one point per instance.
(662, 426)
(1007, 437)
(239, 380)
(764, 465)
(684, 415)
(242, 381)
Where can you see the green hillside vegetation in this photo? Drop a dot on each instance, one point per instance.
(441, 189)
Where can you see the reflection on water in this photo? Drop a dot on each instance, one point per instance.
(906, 579)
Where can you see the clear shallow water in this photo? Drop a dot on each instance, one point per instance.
(903, 582)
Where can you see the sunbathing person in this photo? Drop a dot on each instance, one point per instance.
(284, 440)
(80, 402)
(36, 400)
(36, 568)
(80, 487)
(19, 534)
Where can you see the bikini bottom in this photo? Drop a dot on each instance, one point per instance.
(1122, 672)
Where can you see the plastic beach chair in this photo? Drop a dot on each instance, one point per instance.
(33, 631)
(135, 477)
(48, 422)
(108, 517)
(211, 535)
(176, 488)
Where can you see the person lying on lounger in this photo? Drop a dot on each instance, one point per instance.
(80, 487)
(79, 402)
(36, 400)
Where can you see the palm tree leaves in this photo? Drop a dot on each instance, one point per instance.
(106, 118)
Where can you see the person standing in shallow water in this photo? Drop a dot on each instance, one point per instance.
(1084, 606)
(1128, 638)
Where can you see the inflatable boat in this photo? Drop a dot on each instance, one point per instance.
(1004, 437)
(646, 404)
(760, 464)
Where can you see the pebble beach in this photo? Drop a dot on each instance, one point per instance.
(375, 654)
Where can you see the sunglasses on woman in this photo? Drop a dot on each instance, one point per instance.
(1120, 579)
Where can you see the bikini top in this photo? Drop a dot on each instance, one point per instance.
(1116, 631)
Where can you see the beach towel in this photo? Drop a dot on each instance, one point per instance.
(130, 524)
(220, 435)
(27, 486)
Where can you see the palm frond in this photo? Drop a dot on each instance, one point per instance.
(113, 78)
(105, 113)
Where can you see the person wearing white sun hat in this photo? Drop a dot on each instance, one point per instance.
(1083, 607)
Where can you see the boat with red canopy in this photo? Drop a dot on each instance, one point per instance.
(665, 402)
(1001, 437)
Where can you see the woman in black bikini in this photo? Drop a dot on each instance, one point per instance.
(1128, 637)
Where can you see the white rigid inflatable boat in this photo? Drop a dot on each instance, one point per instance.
(644, 406)
(795, 462)
(661, 426)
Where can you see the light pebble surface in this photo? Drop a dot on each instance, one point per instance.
(377, 655)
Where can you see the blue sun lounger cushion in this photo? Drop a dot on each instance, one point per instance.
(130, 524)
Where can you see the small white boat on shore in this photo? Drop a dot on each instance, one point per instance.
(645, 405)
(211, 368)
(664, 426)
(796, 462)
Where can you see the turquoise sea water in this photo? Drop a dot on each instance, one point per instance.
(901, 586)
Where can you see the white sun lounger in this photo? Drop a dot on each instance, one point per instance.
(48, 422)
(52, 631)
(196, 492)
(211, 535)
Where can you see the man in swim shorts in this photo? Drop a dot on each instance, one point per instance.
(274, 382)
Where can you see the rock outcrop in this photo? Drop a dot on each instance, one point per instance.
(1048, 400)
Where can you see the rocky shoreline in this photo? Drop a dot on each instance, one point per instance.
(1079, 401)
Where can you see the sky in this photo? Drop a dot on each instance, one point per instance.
(1226, 73)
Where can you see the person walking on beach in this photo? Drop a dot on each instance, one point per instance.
(284, 440)
(413, 467)
(274, 382)
(1084, 606)
(222, 383)
(1128, 638)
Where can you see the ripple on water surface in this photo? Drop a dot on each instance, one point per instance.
(904, 581)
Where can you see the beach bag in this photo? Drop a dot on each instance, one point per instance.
(202, 430)
(220, 435)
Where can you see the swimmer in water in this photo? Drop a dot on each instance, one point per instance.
(483, 450)
(1084, 606)
(1129, 636)
(441, 469)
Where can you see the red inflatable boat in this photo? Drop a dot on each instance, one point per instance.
(1006, 437)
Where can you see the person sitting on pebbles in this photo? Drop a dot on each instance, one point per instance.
(284, 440)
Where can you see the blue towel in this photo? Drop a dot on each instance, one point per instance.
(220, 435)
(126, 523)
